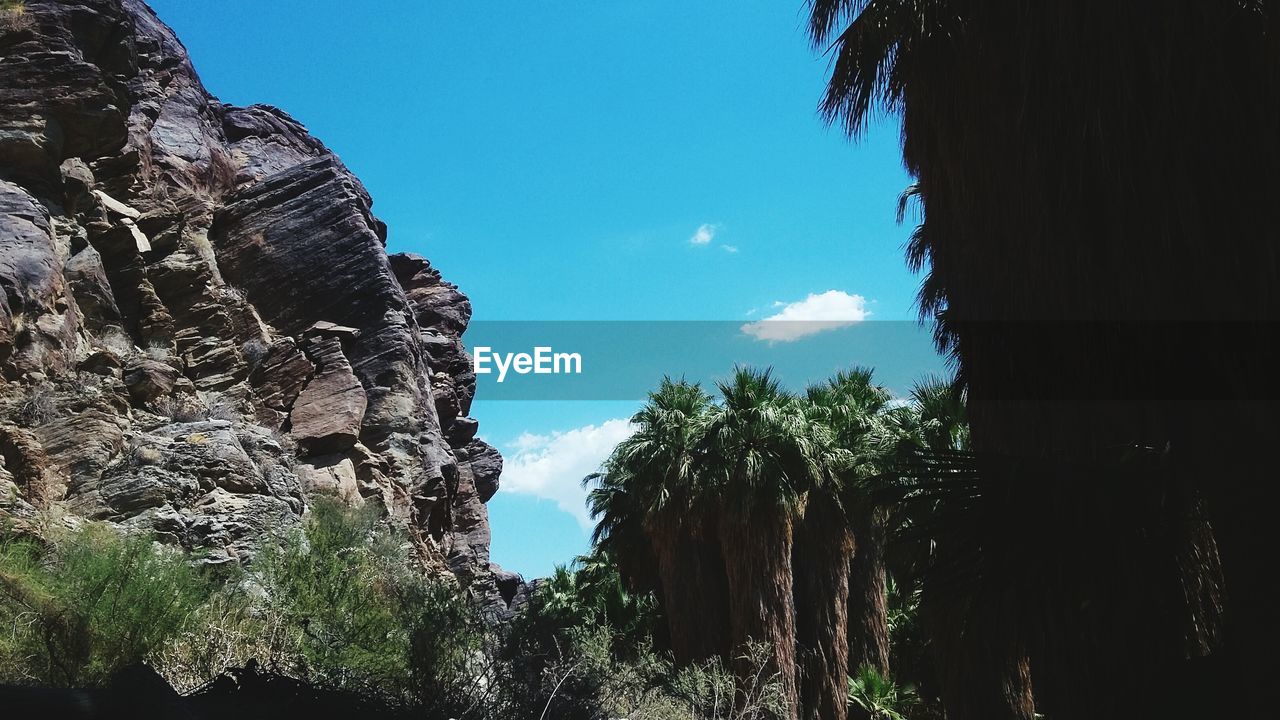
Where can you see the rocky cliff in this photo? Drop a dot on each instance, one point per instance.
(200, 328)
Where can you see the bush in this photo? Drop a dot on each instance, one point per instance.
(39, 407)
(204, 405)
(90, 604)
(253, 351)
(879, 697)
(339, 606)
(590, 679)
(325, 583)
(158, 349)
(219, 406)
(13, 16)
(589, 593)
(584, 648)
(362, 618)
(447, 666)
(711, 691)
(230, 630)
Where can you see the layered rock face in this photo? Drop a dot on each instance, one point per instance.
(200, 328)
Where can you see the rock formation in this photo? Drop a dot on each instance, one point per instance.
(200, 328)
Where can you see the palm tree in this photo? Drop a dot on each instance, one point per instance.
(1069, 159)
(633, 615)
(942, 423)
(619, 532)
(561, 598)
(760, 461)
(650, 486)
(983, 664)
(841, 588)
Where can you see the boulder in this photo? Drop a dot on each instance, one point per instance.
(333, 476)
(486, 468)
(36, 297)
(149, 379)
(87, 278)
(27, 467)
(83, 444)
(102, 362)
(280, 374)
(327, 414)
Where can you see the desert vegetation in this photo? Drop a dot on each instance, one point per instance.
(13, 15)
(751, 561)
(764, 517)
(337, 607)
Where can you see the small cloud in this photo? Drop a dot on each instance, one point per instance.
(816, 313)
(527, 441)
(729, 248)
(705, 233)
(552, 466)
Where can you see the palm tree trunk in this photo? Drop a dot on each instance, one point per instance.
(757, 558)
(983, 669)
(867, 605)
(713, 588)
(986, 683)
(1111, 198)
(694, 591)
(824, 545)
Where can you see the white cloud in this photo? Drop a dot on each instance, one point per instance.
(552, 466)
(729, 248)
(705, 233)
(816, 313)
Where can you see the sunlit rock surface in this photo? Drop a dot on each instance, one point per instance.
(200, 328)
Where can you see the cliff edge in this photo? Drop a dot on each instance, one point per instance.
(200, 328)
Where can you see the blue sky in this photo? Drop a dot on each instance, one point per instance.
(582, 160)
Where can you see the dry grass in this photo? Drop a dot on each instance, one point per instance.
(14, 16)
(145, 455)
(159, 350)
(233, 631)
(253, 351)
(39, 407)
(219, 406)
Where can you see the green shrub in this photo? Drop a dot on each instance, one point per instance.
(590, 678)
(879, 697)
(361, 617)
(91, 603)
(712, 692)
(588, 593)
(326, 586)
(446, 645)
(340, 605)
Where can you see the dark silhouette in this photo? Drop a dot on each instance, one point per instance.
(1098, 184)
